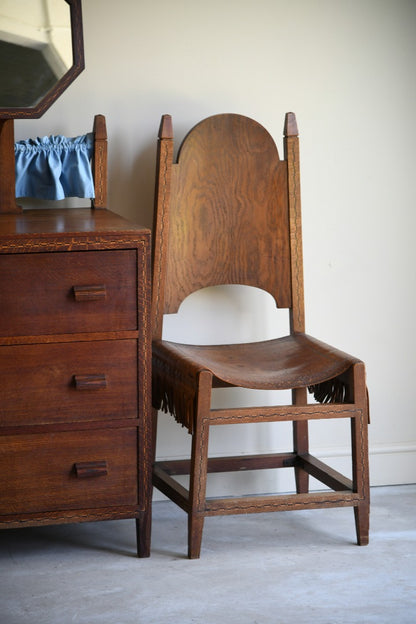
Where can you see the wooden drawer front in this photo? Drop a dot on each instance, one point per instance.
(68, 292)
(67, 382)
(48, 472)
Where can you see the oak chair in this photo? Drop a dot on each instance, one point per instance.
(91, 174)
(228, 212)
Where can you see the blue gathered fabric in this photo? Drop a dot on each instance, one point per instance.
(54, 167)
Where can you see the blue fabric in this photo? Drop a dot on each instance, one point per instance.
(54, 167)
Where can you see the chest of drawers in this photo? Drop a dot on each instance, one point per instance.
(75, 434)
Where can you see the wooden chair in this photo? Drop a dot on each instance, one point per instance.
(228, 212)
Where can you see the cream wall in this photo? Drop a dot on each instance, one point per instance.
(346, 67)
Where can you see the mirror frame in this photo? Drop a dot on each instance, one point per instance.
(8, 203)
(77, 67)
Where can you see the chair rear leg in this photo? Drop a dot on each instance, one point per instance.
(361, 477)
(195, 529)
(155, 413)
(360, 464)
(300, 441)
(362, 522)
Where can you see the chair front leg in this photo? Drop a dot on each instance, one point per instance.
(199, 465)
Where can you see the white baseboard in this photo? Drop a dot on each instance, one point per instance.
(393, 464)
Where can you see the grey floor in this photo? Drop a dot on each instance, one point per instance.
(300, 566)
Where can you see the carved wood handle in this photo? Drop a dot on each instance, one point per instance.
(85, 470)
(90, 382)
(94, 292)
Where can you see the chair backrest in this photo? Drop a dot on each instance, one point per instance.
(227, 212)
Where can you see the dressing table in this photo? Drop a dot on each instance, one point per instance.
(74, 351)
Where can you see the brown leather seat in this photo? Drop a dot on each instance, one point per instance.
(289, 362)
(229, 199)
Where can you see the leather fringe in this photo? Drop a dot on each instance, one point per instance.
(171, 394)
(331, 391)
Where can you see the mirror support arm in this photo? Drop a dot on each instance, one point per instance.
(7, 169)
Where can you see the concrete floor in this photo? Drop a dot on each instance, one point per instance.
(300, 566)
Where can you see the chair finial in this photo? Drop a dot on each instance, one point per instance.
(166, 129)
(291, 126)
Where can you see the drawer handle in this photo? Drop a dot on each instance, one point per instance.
(90, 382)
(85, 470)
(90, 293)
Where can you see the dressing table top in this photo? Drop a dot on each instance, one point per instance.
(63, 221)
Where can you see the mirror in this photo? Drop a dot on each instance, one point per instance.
(41, 53)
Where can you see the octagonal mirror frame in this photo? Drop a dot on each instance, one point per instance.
(36, 111)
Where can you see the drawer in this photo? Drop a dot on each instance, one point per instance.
(68, 470)
(68, 292)
(75, 381)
